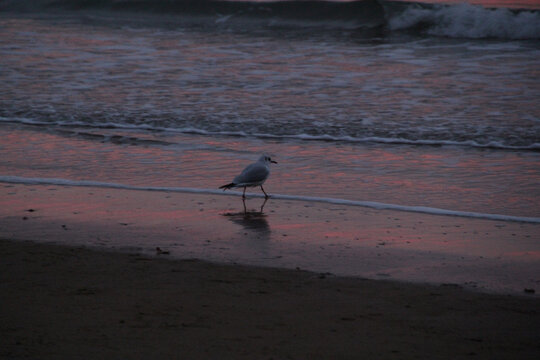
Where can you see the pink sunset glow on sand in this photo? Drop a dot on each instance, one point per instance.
(294, 235)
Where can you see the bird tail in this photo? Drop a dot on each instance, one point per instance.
(227, 186)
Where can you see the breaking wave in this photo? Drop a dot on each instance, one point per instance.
(468, 21)
(454, 21)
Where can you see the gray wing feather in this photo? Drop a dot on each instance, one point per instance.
(252, 173)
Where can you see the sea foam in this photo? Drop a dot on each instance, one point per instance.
(468, 21)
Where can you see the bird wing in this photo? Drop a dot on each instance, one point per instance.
(252, 174)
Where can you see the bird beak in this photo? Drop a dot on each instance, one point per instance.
(273, 162)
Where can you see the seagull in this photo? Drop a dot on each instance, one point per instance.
(253, 175)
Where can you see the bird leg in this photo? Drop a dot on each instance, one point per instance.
(244, 193)
(264, 203)
(265, 194)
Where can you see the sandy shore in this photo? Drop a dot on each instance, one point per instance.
(486, 255)
(62, 302)
(103, 293)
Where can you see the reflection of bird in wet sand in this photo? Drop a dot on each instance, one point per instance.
(253, 212)
(253, 175)
(251, 220)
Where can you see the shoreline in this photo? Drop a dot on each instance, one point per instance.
(477, 254)
(301, 198)
(63, 302)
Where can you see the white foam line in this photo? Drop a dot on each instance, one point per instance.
(368, 204)
(305, 137)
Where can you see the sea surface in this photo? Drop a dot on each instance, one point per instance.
(398, 103)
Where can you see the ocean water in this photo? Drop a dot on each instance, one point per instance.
(404, 104)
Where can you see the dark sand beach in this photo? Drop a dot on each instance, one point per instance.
(103, 291)
(61, 302)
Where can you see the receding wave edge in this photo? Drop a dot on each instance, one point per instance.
(337, 201)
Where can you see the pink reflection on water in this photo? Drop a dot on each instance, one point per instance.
(449, 178)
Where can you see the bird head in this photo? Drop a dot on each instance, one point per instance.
(267, 159)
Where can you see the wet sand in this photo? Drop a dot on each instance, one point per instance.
(478, 254)
(61, 302)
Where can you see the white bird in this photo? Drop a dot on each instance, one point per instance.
(253, 175)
